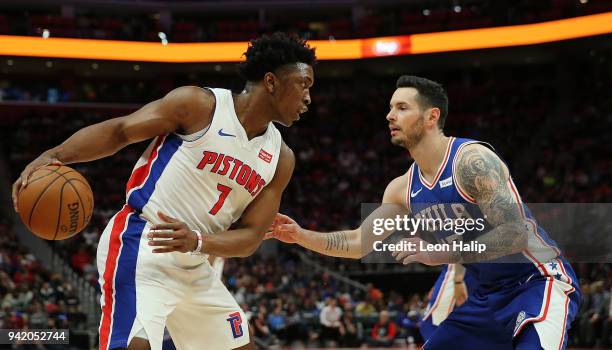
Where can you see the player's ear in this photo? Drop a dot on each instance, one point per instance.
(433, 116)
(270, 81)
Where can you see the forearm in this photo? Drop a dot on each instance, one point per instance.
(342, 244)
(90, 143)
(237, 243)
(501, 241)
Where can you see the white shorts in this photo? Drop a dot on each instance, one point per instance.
(146, 291)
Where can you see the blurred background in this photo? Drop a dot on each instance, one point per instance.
(546, 108)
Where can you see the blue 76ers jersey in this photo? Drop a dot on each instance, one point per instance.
(442, 199)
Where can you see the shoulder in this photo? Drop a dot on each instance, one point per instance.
(396, 189)
(189, 101)
(286, 158)
(285, 166)
(476, 157)
(479, 171)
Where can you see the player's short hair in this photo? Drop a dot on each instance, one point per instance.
(431, 94)
(270, 52)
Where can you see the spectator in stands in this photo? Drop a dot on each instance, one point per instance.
(330, 323)
(295, 329)
(349, 330)
(365, 308)
(38, 318)
(277, 322)
(261, 329)
(596, 313)
(410, 322)
(607, 323)
(384, 331)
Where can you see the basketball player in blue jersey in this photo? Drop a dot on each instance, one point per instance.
(216, 159)
(526, 294)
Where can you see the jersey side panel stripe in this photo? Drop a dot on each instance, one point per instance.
(139, 198)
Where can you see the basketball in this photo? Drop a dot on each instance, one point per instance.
(57, 202)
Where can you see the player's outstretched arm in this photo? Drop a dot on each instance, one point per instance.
(181, 109)
(482, 175)
(342, 244)
(254, 222)
(352, 244)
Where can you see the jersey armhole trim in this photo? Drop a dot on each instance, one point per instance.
(408, 185)
(461, 191)
(191, 140)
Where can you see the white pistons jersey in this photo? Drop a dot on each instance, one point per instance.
(206, 181)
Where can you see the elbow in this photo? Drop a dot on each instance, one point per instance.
(249, 248)
(248, 251)
(521, 239)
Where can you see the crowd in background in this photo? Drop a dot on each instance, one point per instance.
(32, 296)
(559, 117)
(336, 22)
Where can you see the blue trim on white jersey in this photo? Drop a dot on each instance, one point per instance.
(139, 198)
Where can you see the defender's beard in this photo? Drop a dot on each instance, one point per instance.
(414, 136)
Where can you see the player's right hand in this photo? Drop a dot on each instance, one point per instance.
(284, 228)
(22, 180)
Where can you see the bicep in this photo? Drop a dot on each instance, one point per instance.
(260, 213)
(177, 110)
(482, 175)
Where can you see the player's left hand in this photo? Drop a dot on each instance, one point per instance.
(421, 256)
(175, 236)
(461, 293)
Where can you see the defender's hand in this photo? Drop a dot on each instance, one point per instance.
(22, 180)
(176, 235)
(422, 255)
(284, 228)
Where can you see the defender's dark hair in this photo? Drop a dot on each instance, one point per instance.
(270, 52)
(431, 94)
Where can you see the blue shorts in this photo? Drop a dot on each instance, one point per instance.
(494, 317)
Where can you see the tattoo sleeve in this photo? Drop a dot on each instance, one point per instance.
(337, 241)
(482, 175)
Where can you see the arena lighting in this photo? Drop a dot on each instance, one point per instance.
(163, 38)
(470, 39)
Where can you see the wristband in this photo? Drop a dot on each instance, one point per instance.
(198, 248)
(458, 282)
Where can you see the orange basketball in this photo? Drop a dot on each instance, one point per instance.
(56, 203)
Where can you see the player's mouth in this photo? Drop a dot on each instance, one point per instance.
(394, 130)
(301, 111)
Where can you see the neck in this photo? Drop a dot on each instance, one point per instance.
(253, 110)
(429, 153)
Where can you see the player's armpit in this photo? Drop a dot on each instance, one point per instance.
(257, 217)
(483, 176)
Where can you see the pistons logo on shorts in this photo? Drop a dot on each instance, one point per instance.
(235, 321)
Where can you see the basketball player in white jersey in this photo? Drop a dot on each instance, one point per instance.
(216, 159)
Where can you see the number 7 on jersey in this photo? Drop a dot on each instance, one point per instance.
(225, 190)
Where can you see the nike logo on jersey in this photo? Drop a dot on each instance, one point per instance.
(414, 194)
(221, 133)
(446, 182)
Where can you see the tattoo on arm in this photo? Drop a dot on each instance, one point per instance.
(337, 241)
(481, 174)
